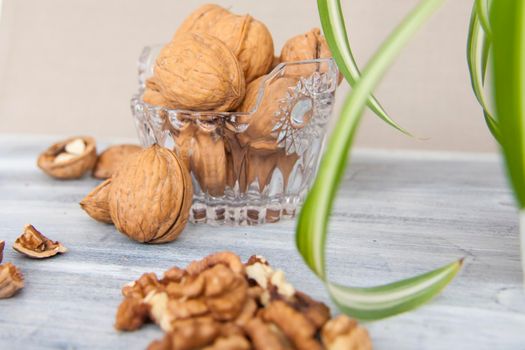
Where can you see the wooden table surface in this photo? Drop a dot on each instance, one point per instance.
(398, 214)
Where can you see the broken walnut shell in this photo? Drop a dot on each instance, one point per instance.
(150, 196)
(202, 19)
(34, 244)
(111, 159)
(57, 162)
(96, 204)
(2, 245)
(249, 39)
(197, 71)
(11, 280)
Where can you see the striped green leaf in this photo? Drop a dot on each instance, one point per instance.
(334, 29)
(478, 49)
(508, 30)
(371, 302)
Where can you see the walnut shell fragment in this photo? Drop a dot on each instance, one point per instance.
(111, 159)
(96, 203)
(2, 245)
(11, 280)
(69, 159)
(34, 244)
(150, 196)
(249, 39)
(197, 71)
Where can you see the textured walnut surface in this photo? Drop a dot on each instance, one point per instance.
(394, 210)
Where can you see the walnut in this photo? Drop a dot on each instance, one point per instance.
(187, 287)
(182, 308)
(307, 46)
(292, 323)
(263, 119)
(174, 274)
(317, 312)
(229, 259)
(234, 342)
(131, 314)
(34, 244)
(197, 71)
(247, 312)
(11, 280)
(150, 196)
(208, 161)
(154, 98)
(2, 245)
(202, 19)
(342, 333)
(266, 336)
(273, 282)
(159, 312)
(111, 159)
(229, 303)
(140, 288)
(250, 41)
(96, 204)
(188, 335)
(69, 159)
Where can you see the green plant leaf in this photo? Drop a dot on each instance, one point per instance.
(481, 7)
(334, 29)
(478, 48)
(508, 30)
(311, 232)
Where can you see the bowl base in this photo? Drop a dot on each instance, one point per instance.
(238, 214)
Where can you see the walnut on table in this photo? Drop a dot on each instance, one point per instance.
(34, 244)
(343, 333)
(220, 303)
(11, 280)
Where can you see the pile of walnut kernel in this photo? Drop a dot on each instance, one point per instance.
(221, 303)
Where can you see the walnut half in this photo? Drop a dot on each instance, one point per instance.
(11, 280)
(35, 245)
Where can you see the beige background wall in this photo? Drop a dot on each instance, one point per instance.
(69, 66)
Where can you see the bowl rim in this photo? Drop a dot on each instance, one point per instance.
(274, 73)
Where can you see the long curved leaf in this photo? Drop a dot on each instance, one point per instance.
(372, 302)
(478, 47)
(482, 10)
(334, 29)
(508, 26)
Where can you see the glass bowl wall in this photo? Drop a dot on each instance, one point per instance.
(240, 176)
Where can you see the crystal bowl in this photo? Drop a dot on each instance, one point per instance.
(237, 179)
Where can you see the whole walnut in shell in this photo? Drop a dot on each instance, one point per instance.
(202, 19)
(151, 195)
(308, 46)
(110, 160)
(208, 162)
(96, 205)
(263, 120)
(197, 71)
(250, 41)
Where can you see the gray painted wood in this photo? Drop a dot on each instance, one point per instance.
(397, 214)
